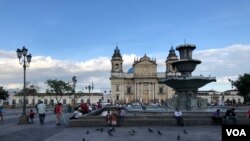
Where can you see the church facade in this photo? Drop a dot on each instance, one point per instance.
(140, 82)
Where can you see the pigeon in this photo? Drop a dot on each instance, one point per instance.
(109, 132)
(83, 139)
(159, 133)
(178, 137)
(99, 129)
(87, 132)
(150, 130)
(184, 131)
(133, 131)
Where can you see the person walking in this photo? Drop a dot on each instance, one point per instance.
(1, 113)
(41, 111)
(58, 112)
(31, 115)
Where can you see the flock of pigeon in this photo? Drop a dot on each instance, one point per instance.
(132, 132)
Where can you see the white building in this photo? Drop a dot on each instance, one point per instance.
(49, 99)
(221, 98)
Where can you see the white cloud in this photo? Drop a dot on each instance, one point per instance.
(223, 63)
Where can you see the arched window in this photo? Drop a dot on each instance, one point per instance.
(64, 101)
(13, 101)
(46, 102)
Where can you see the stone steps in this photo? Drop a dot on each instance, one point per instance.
(95, 121)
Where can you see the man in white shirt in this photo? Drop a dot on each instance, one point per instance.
(178, 115)
(41, 111)
(77, 114)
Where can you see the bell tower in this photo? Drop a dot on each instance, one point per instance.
(116, 61)
(172, 57)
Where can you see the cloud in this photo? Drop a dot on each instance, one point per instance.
(223, 63)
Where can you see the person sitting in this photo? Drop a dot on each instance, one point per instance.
(114, 117)
(121, 114)
(248, 114)
(231, 115)
(178, 116)
(77, 114)
(217, 119)
(108, 118)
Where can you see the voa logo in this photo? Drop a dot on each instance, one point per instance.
(236, 132)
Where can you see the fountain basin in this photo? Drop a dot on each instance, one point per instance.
(189, 82)
(186, 66)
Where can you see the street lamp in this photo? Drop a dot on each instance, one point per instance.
(74, 80)
(89, 88)
(24, 60)
(232, 82)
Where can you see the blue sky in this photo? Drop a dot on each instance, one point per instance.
(83, 30)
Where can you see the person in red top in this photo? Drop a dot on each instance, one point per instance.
(84, 107)
(99, 105)
(31, 115)
(58, 112)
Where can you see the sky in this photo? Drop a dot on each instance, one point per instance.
(77, 38)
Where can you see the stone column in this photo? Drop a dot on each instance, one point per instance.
(135, 95)
(149, 93)
(141, 94)
(153, 91)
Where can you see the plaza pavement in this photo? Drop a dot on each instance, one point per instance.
(11, 131)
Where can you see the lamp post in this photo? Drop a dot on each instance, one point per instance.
(232, 82)
(89, 88)
(74, 80)
(24, 60)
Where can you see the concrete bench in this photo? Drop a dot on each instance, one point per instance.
(151, 120)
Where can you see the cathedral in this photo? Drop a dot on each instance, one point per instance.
(140, 82)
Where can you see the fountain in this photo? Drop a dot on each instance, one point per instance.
(186, 85)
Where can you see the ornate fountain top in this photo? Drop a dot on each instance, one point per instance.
(186, 50)
(186, 65)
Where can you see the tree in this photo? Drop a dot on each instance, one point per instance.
(242, 84)
(58, 88)
(3, 94)
(27, 91)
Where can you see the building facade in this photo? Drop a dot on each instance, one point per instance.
(140, 82)
(229, 97)
(48, 99)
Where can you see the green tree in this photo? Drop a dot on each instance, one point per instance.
(58, 88)
(243, 85)
(3, 94)
(27, 91)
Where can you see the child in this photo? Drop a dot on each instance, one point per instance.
(108, 118)
(114, 118)
(31, 115)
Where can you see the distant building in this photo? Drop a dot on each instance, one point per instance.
(49, 99)
(140, 82)
(221, 98)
